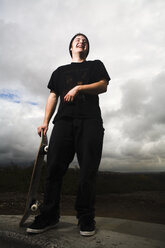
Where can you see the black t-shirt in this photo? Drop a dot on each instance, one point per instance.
(65, 77)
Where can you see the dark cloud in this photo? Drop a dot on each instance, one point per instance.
(139, 123)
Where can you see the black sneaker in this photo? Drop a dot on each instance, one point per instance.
(41, 224)
(87, 227)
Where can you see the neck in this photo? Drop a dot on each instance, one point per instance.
(80, 57)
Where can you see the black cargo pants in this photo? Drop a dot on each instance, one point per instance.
(69, 136)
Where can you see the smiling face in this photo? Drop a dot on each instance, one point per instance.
(79, 44)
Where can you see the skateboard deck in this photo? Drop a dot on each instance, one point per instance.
(32, 203)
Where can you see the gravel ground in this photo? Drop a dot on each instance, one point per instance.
(141, 206)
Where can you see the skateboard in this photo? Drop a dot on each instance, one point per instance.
(32, 204)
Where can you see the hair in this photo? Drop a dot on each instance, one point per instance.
(70, 44)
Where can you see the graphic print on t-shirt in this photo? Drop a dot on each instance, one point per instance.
(73, 78)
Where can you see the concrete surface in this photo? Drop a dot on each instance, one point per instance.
(111, 233)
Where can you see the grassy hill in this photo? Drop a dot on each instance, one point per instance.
(14, 178)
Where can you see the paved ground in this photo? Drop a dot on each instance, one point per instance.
(111, 233)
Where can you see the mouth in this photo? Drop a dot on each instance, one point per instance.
(80, 46)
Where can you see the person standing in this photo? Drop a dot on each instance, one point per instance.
(78, 129)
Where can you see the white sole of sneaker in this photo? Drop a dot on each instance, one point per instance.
(85, 233)
(37, 231)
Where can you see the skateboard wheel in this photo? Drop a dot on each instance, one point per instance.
(46, 149)
(35, 206)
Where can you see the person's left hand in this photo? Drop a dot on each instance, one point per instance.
(69, 97)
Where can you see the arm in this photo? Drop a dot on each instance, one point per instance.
(49, 111)
(93, 89)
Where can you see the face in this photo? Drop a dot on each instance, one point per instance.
(79, 44)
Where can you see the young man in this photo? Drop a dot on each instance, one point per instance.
(77, 129)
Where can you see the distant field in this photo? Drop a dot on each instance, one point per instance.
(17, 179)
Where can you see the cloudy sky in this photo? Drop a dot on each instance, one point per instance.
(127, 35)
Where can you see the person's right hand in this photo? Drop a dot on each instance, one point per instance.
(44, 127)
